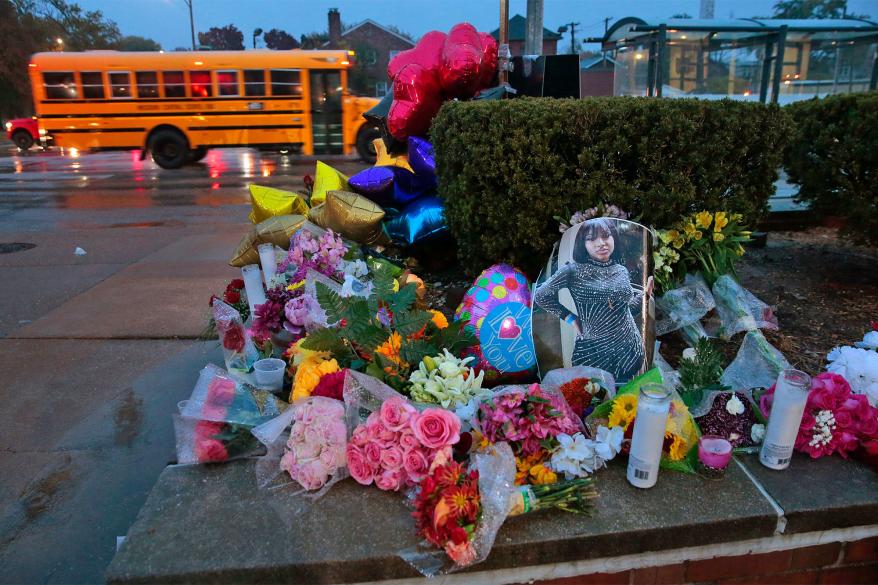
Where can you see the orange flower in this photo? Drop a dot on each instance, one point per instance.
(390, 348)
(439, 320)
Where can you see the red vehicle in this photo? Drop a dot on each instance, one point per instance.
(23, 132)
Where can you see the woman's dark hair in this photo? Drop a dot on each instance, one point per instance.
(591, 229)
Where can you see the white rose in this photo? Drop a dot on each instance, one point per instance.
(734, 406)
(757, 433)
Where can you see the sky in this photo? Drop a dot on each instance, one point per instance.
(167, 21)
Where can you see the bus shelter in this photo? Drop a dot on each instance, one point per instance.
(747, 58)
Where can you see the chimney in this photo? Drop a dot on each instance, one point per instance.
(334, 28)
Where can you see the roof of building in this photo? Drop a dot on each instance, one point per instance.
(631, 27)
(517, 28)
(384, 28)
(596, 62)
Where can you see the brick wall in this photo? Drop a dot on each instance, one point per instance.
(373, 45)
(833, 563)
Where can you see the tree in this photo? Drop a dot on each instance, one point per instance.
(136, 43)
(80, 30)
(313, 40)
(280, 40)
(227, 38)
(682, 15)
(813, 9)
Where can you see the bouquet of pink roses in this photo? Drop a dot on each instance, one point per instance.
(397, 444)
(835, 421)
(315, 449)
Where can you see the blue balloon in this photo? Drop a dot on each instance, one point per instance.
(376, 183)
(421, 219)
(422, 158)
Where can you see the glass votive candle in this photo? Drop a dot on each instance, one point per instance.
(714, 454)
(269, 373)
(252, 276)
(268, 260)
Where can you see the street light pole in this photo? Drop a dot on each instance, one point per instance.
(191, 22)
(563, 29)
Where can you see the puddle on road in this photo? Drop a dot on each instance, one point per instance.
(128, 419)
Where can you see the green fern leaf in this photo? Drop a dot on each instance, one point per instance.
(331, 303)
(410, 322)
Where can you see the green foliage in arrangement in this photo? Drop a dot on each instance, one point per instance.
(833, 157)
(701, 372)
(508, 167)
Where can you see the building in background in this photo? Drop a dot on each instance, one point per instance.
(517, 30)
(596, 76)
(375, 46)
(752, 59)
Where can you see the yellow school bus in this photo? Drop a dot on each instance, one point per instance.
(175, 106)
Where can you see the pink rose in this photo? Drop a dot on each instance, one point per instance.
(389, 480)
(331, 457)
(462, 554)
(372, 452)
(391, 458)
(395, 413)
(210, 450)
(436, 428)
(407, 440)
(843, 419)
(360, 437)
(358, 466)
(288, 461)
(221, 391)
(211, 411)
(336, 432)
(415, 464)
(312, 476)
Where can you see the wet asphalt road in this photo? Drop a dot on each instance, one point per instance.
(96, 350)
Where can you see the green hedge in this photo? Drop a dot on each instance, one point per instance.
(507, 167)
(833, 157)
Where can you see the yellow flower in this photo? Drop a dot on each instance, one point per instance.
(737, 217)
(296, 285)
(703, 219)
(523, 466)
(665, 236)
(439, 320)
(542, 475)
(390, 348)
(689, 229)
(309, 372)
(721, 221)
(624, 411)
(718, 237)
(696, 236)
(739, 250)
(670, 235)
(678, 243)
(678, 448)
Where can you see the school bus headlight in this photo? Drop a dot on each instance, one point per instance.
(8, 126)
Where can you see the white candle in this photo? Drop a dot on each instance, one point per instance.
(649, 435)
(787, 408)
(253, 285)
(268, 261)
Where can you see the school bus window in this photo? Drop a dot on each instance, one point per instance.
(120, 84)
(147, 84)
(285, 82)
(92, 85)
(175, 86)
(254, 82)
(59, 85)
(199, 83)
(227, 82)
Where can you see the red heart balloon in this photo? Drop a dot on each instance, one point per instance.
(489, 63)
(427, 53)
(417, 98)
(461, 62)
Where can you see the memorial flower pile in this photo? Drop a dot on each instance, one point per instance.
(446, 380)
(836, 420)
(236, 297)
(396, 445)
(583, 394)
(579, 456)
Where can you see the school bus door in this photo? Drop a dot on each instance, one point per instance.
(326, 111)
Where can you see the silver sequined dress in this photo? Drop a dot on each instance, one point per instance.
(603, 295)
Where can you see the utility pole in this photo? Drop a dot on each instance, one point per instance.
(533, 34)
(256, 33)
(503, 55)
(606, 28)
(191, 22)
(563, 29)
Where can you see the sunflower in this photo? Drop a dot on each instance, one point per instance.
(624, 410)
(678, 448)
(703, 219)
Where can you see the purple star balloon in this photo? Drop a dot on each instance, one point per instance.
(376, 183)
(422, 159)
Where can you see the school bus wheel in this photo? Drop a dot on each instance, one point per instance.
(365, 149)
(196, 154)
(169, 148)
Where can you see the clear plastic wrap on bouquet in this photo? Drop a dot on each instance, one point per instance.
(757, 364)
(239, 351)
(553, 393)
(499, 498)
(220, 398)
(554, 379)
(739, 309)
(684, 305)
(207, 441)
(305, 454)
(670, 376)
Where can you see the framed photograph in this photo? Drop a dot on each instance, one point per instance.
(593, 303)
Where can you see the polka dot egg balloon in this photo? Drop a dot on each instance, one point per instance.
(499, 299)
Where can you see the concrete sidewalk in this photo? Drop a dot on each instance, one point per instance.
(96, 352)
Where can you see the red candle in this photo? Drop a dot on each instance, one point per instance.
(714, 452)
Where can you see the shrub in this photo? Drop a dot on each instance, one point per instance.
(507, 167)
(833, 157)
